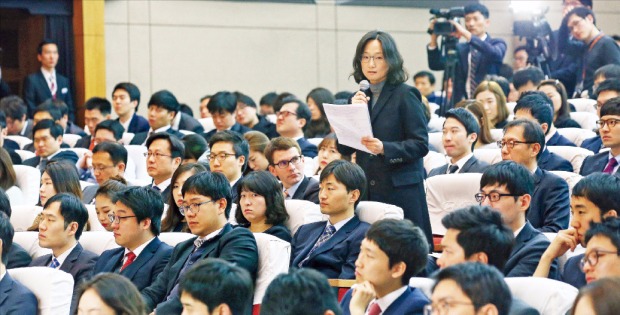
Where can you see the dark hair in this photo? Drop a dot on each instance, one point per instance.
(184, 108)
(131, 89)
(268, 187)
(425, 74)
(240, 146)
(517, 179)
(519, 48)
(117, 292)
(538, 105)
(564, 111)
(500, 98)
(59, 105)
(208, 184)
(581, 12)
(49, 108)
(71, 209)
(113, 126)
(177, 149)
(7, 173)
(65, 178)
(481, 230)
(99, 103)
(145, 203)
(467, 119)
(343, 95)
(173, 215)
(166, 100)
(268, 98)
(482, 284)
(477, 7)
(222, 102)
(14, 107)
(300, 292)
(396, 73)
(111, 186)
(55, 129)
(523, 76)
(257, 140)
(401, 241)
(609, 85)
(350, 175)
(280, 144)
(244, 99)
(117, 152)
(208, 96)
(532, 132)
(331, 139)
(610, 71)
(321, 126)
(609, 228)
(195, 146)
(600, 189)
(603, 295)
(501, 81)
(477, 109)
(611, 107)
(280, 100)
(5, 203)
(45, 41)
(6, 235)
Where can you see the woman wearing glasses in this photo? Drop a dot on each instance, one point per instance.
(103, 200)
(394, 167)
(174, 221)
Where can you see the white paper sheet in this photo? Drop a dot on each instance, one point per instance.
(351, 123)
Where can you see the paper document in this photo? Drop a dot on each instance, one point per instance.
(351, 123)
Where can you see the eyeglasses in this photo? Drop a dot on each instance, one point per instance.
(100, 168)
(493, 196)
(157, 155)
(284, 164)
(609, 122)
(376, 59)
(442, 307)
(285, 114)
(117, 219)
(598, 105)
(193, 207)
(220, 156)
(592, 257)
(575, 24)
(511, 143)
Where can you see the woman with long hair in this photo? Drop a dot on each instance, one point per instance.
(492, 97)
(258, 142)
(103, 199)
(476, 108)
(556, 92)
(110, 294)
(319, 126)
(174, 221)
(8, 179)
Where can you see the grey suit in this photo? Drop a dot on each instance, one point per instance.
(190, 123)
(88, 194)
(473, 165)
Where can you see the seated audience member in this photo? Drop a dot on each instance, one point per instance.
(8, 179)
(247, 115)
(110, 293)
(174, 221)
(97, 109)
(266, 103)
(501, 81)
(555, 91)
(186, 121)
(607, 161)
(222, 107)
(460, 133)
(17, 255)
(520, 60)
(300, 292)
(328, 152)
(491, 95)
(195, 147)
(59, 177)
(319, 126)
(103, 200)
(215, 286)
(293, 119)
(105, 131)
(523, 142)
(163, 106)
(7, 144)
(67, 125)
(229, 156)
(64, 218)
(332, 247)
(610, 71)
(17, 122)
(281, 100)
(286, 162)
(204, 111)
(126, 99)
(607, 90)
(507, 187)
(424, 81)
(136, 220)
(47, 140)
(16, 298)
(477, 109)
(469, 288)
(527, 79)
(392, 252)
(258, 141)
(260, 207)
(598, 298)
(207, 203)
(164, 155)
(109, 160)
(602, 259)
(594, 198)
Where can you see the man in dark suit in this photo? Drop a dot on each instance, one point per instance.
(607, 90)
(293, 119)
(164, 155)
(609, 130)
(332, 247)
(110, 131)
(126, 99)
(286, 162)
(136, 221)
(222, 107)
(460, 134)
(229, 156)
(60, 229)
(97, 109)
(109, 160)
(208, 201)
(247, 115)
(479, 56)
(17, 120)
(550, 202)
(183, 121)
(163, 106)
(392, 252)
(47, 140)
(64, 121)
(15, 298)
(47, 110)
(47, 83)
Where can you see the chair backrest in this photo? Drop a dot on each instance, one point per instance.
(574, 155)
(30, 242)
(315, 141)
(25, 154)
(28, 179)
(127, 137)
(549, 297)
(207, 123)
(446, 193)
(23, 216)
(71, 139)
(436, 123)
(373, 211)
(272, 118)
(424, 284)
(490, 156)
(301, 212)
(52, 287)
(98, 241)
(136, 153)
(497, 134)
(432, 160)
(174, 238)
(274, 255)
(130, 169)
(585, 119)
(21, 140)
(511, 106)
(583, 104)
(434, 139)
(576, 135)
(93, 220)
(84, 184)
(310, 166)
(186, 132)
(571, 179)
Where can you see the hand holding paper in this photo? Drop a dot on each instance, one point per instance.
(351, 124)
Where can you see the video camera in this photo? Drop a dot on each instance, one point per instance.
(536, 27)
(443, 16)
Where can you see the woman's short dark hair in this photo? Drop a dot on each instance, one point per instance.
(319, 96)
(173, 215)
(331, 139)
(195, 146)
(564, 111)
(267, 186)
(117, 292)
(7, 173)
(396, 73)
(64, 177)
(603, 294)
(111, 186)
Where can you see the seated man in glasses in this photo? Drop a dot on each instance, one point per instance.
(207, 203)
(136, 222)
(293, 119)
(223, 107)
(609, 129)
(164, 155)
(229, 156)
(602, 257)
(286, 162)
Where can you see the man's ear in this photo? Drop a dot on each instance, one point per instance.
(488, 309)
(536, 148)
(479, 257)
(398, 269)
(355, 196)
(525, 201)
(544, 127)
(272, 170)
(302, 122)
(610, 214)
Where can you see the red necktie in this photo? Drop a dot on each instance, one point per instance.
(130, 258)
(609, 169)
(374, 309)
(92, 144)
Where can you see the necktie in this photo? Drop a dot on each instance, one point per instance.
(156, 188)
(374, 309)
(55, 264)
(43, 164)
(286, 195)
(325, 236)
(609, 169)
(453, 168)
(92, 143)
(472, 71)
(130, 258)
(198, 243)
(53, 87)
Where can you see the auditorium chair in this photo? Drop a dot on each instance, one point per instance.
(433, 160)
(274, 256)
(25, 154)
(511, 106)
(436, 123)
(497, 134)
(30, 242)
(174, 238)
(21, 140)
(571, 179)
(98, 241)
(136, 153)
(548, 296)
(28, 179)
(53, 288)
(491, 155)
(585, 119)
(127, 137)
(71, 139)
(576, 135)
(207, 124)
(583, 104)
(301, 212)
(373, 211)
(434, 139)
(574, 155)
(23, 216)
(93, 220)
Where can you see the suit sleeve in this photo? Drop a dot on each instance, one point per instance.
(25, 304)
(557, 207)
(239, 247)
(29, 96)
(348, 268)
(529, 261)
(83, 274)
(492, 50)
(156, 292)
(312, 193)
(435, 61)
(162, 263)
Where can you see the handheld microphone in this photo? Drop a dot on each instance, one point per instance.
(364, 86)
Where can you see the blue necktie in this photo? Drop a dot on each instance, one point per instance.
(55, 264)
(329, 231)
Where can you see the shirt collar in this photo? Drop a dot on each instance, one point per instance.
(550, 134)
(48, 74)
(49, 157)
(340, 224)
(232, 183)
(2, 275)
(291, 191)
(61, 259)
(389, 298)
(519, 230)
(163, 185)
(461, 162)
(140, 248)
(176, 121)
(23, 132)
(162, 129)
(211, 235)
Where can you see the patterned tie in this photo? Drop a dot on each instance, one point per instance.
(325, 236)
(53, 87)
(609, 169)
(374, 309)
(43, 164)
(55, 264)
(286, 195)
(130, 258)
(453, 169)
(198, 243)
(472, 71)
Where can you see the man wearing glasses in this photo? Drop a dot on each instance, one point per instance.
(602, 257)
(207, 203)
(523, 143)
(222, 106)
(607, 90)
(164, 155)
(609, 130)
(229, 156)
(136, 222)
(109, 160)
(286, 162)
(293, 119)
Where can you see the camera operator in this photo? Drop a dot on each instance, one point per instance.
(478, 56)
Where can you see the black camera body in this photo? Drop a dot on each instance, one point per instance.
(443, 17)
(532, 29)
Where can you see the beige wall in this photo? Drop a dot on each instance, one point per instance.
(196, 47)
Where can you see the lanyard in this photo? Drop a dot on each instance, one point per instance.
(594, 41)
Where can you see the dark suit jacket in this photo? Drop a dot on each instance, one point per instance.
(79, 264)
(140, 138)
(558, 139)
(594, 163)
(241, 129)
(397, 177)
(411, 302)
(28, 132)
(336, 257)
(473, 165)
(10, 146)
(572, 273)
(529, 246)
(550, 206)
(550, 161)
(164, 194)
(144, 270)
(18, 257)
(74, 129)
(84, 142)
(266, 127)
(593, 144)
(237, 246)
(69, 156)
(307, 149)
(16, 299)
(36, 91)
(190, 123)
(280, 231)
(307, 190)
(89, 192)
(518, 307)
(492, 51)
(138, 124)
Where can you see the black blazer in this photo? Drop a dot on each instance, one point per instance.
(190, 123)
(144, 270)
(137, 124)
(558, 139)
(307, 190)
(84, 142)
(36, 91)
(550, 205)
(473, 165)
(307, 149)
(237, 127)
(280, 231)
(594, 163)
(266, 127)
(10, 146)
(593, 144)
(140, 138)
(411, 302)
(237, 246)
(15, 298)
(18, 257)
(550, 161)
(69, 156)
(529, 246)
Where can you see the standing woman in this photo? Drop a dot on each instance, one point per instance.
(395, 169)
